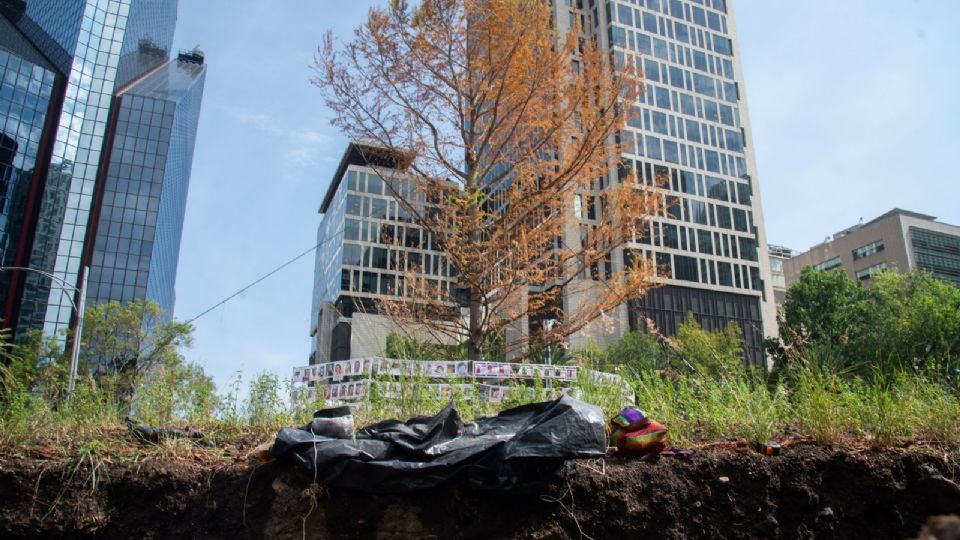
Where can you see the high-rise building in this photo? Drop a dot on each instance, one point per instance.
(898, 239)
(688, 132)
(368, 246)
(102, 123)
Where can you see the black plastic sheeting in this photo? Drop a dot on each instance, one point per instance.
(521, 447)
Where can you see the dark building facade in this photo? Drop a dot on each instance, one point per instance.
(103, 123)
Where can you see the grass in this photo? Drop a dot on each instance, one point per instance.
(822, 405)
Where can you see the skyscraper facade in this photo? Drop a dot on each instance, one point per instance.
(369, 245)
(689, 134)
(103, 139)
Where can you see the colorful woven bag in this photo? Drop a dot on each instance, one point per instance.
(630, 419)
(649, 439)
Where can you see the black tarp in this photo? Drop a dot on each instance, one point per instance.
(519, 448)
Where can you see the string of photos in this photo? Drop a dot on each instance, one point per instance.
(352, 380)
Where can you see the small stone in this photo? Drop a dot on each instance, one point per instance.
(724, 479)
(827, 512)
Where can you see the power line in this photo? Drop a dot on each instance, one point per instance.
(265, 276)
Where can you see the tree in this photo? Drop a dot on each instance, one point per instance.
(132, 337)
(902, 320)
(827, 306)
(486, 96)
(718, 354)
(639, 351)
(915, 319)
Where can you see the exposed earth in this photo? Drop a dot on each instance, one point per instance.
(724, 491)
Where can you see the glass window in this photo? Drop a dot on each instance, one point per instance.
(713, 21)
(651, 70)
(351, 254)
(643, 44)
(740, 220)
(699, 16)
(693, 130)
(351, 229)
(722, 45)
(685, 268)
(663, 98)
(868, 250)
(659, 122)
(700, 60)
(711, 160)
(828, 265)
(354, 205)
(688, 182)
(650, 22)
(716, 188)
(660, 49)
(681, 31)
(663, 265)
(726, 115)
(723, 217)
(379, 258)
(687, 105)
(374, 184)
(698, 211)
(670, 151)
(724, 274)
(625, 14)
(734, 140)
(748, 248)
(705, 242)
(368, 282)
(710, 110)
(730, 92)
(868, 273)
(412, 238)
(653, 148)
(703, 84)
(387, 284)
(676, 77)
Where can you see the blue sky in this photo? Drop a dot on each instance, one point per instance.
(854, 112)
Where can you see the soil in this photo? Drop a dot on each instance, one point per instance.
(726, 491)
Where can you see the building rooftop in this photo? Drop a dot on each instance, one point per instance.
(891, 213)
(779, 251)
(362, 154)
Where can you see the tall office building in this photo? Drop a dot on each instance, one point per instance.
(102, 123)
(689, 132)
(368, 247)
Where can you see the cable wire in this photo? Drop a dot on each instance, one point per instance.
(265, 276)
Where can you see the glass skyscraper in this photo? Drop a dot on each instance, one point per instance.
(102, 144)
(688, 133)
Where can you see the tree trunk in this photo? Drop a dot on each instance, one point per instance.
(476, 331)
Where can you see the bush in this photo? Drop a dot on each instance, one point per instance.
(904, 321)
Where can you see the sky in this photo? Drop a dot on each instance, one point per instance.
(855, 110)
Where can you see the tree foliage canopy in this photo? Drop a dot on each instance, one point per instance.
(903, 320)
(131, 337)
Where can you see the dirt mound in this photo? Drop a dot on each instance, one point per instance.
(807, 492)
